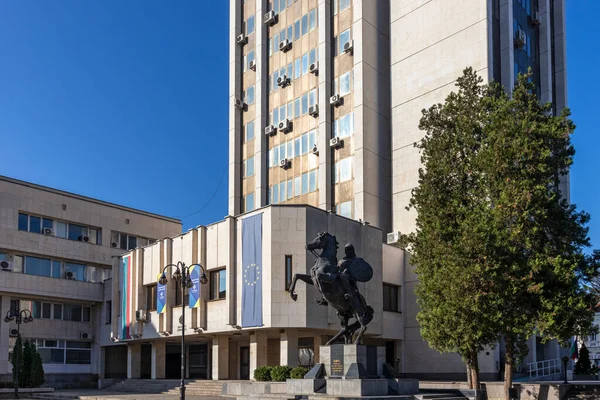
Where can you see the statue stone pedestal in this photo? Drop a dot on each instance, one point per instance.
(349, 371)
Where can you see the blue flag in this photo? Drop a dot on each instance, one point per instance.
(252, 271)
(161, 296)
(194, 290)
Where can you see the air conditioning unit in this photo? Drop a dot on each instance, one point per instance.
(536, 18)
(252, 65)
(285, 126)
(141, 316)
(283, 81)
(393, 237)
(85, 336)
(242, 39)
(285, 45)
(315, 150)
(285, 163)
(270, 130)
(5, 266)
(270, 18)
(48, 231)
(313, 110)
(314, 68)
(239, 104)
(335, 100)
(14, 333)
(114, 245)
(84, 238)
(520, 38)
(336, 142)
(70, 275)
(349, 47)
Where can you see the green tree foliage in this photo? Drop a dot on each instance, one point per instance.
(17, 355)
(583, 365)
(498, 250)
(26, 363)
(37, 368)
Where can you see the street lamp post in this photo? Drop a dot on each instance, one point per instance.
(182, 275)
(19, 316)
(565, 361)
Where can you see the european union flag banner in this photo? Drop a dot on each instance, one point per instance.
(195, 290)
(252, 271)
(161, 296)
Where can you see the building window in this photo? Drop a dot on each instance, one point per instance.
(249, 167)
(344, 5)
(342, 39)
(250, 25)
(46, 310)
(391, 299)
(249, 206)
(345, 209)
(288, 272)
(306, 352)
(343, 84)
(78, 352)
(343, 170)
(218, 284)
(249, 95)
(344, 126)
(249, 131)
(57, 311)
(108, 313)
(312, 17)
(123, 241)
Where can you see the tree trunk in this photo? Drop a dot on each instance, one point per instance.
(469, 375)
(475, 372)
(508, 368)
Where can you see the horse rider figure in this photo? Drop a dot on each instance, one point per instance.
(348, 280)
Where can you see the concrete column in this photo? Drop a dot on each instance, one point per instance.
(134, 360)
(159, 354)
(5, 366)
(261, 148)
(507, 46)
(318, 343)
(258, 351)
(288, 346)
(220, 358)
(235, 115)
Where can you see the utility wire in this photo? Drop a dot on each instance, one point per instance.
(211, 197)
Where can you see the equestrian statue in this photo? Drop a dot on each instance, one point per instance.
(337, 285)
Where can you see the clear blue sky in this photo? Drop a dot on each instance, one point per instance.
(127, 101)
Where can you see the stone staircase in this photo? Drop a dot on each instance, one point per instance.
(168, 386)
(583, 392)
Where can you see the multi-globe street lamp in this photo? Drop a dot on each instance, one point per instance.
(182, 275)
(19, 316)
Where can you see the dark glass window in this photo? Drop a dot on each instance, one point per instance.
(123, 241)
(390, 297)
(77, 232)
(151, 298)
(23, 222)
(46, 310)
(218, 284)
(35, 224)
(47, 223)
(87, 314)
(132, 242)
(108, 312)
(288, 272)
(58, 311)
(37, 266)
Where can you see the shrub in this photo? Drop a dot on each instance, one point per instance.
(280, 373)
(37, 369)
(298, 372)
(263, 374)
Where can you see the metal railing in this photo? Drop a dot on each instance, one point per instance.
(544, 368)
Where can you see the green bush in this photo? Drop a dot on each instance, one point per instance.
(280, 373)
(37, 369)
(298, 372)
(262, 374)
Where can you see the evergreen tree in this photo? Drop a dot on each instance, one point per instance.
(583, 365)
(498, 251)
(25, 370)
(17, 356)
(37, 368)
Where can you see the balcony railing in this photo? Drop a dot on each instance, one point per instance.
(544, 368)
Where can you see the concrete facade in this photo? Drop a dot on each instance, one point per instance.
(68, 310)
(215, 326)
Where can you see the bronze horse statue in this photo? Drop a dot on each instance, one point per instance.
(337, 285)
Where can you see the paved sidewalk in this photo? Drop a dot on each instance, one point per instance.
(108, 395)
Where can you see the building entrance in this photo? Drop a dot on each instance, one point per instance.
(146, 361)
(198, 361)
(245, 362)
(173, 361)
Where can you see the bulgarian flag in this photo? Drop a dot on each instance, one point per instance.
(573, 350)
